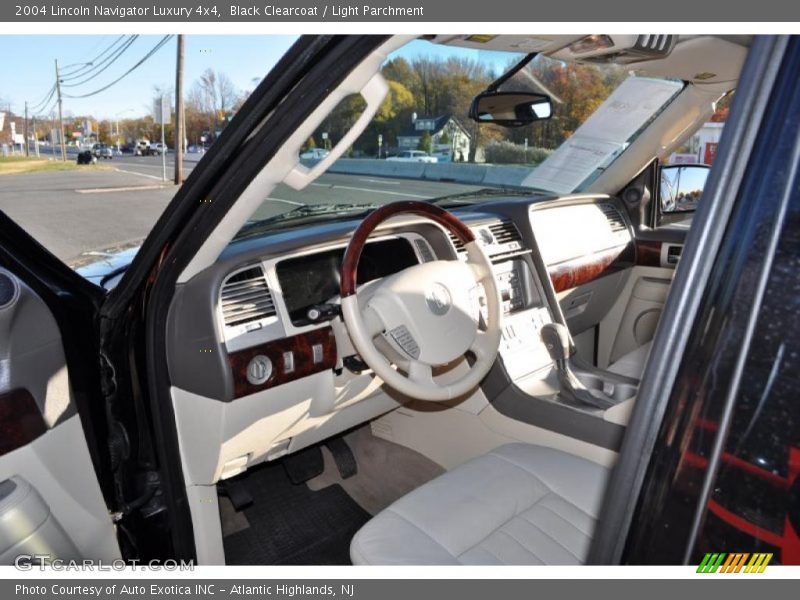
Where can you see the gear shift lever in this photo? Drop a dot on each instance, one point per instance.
(556, 339)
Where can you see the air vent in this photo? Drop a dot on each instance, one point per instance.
(457, 243)
(615, 220)
(505, 233)
(654, 45)
(245, 297)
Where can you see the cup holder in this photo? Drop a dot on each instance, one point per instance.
(617, 391)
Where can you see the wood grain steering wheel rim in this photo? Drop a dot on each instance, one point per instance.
(352, 255)
(428, 313)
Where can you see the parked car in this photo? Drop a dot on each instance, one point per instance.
(554, 373)
(157, 149)
(86, 157)
(413, 156)
(142, 147)
(102, 151)
(315, 153)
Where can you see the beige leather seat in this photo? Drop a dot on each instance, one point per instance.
(517, 505)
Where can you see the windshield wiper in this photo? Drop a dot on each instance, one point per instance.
(302, 213)
(484, 193)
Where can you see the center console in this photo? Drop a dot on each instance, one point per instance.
(525, 311)
(544, 367)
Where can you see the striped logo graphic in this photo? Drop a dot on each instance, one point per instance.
(736, 562)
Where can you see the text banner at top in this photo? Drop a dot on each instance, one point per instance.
(420, 11)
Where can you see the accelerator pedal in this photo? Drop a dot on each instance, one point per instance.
(343, 456)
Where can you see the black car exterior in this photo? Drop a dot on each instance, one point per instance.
(723, 472)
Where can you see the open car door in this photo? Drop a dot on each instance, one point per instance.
(51, 502)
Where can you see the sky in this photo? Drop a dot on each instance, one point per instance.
(27, 71)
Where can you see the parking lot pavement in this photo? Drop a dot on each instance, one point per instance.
(72, 212)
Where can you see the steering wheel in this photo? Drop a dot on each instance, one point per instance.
(427, 314)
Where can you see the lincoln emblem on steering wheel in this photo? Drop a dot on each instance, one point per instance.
(438, 299)
(427, 313)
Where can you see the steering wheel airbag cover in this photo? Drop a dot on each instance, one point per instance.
(428, 312)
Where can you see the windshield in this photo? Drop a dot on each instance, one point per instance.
(91, 180)
(422, 145)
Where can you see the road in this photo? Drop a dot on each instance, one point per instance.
(77, 211)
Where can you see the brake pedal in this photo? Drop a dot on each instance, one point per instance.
(304, 465)
(343, 457)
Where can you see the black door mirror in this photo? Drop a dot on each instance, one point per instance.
(682, 187)
(510, 109)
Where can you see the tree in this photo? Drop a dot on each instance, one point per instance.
(342, 118)
(398, 69)
(579, 88)
(311, 143)
(208, 103)
(392, 117)
(425, 142)
(212, 95)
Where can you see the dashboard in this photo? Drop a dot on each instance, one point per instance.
(256, 339)
(311, 280)
(276, 289)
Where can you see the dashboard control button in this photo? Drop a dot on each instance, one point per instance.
(317, 354)
(259, 369)
(405, 340)
(288, 362)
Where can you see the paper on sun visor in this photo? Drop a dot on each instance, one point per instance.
(606, 132)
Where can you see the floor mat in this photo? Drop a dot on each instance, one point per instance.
(293, 525)
(386, 471)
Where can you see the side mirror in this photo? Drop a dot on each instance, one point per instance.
(510, 109)
(681, 187)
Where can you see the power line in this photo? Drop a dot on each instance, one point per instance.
(50, 107)
(46, 99)
(155, 49)
(96, 62)
(81, 68)
(37, 107)
(82, 65)
(105, 63)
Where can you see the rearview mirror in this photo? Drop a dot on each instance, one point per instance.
(510, 109)
(682, 187)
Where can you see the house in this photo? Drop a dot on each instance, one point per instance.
(456, 142)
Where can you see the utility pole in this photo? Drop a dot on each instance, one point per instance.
(163, 141)
(25, 130)
(60, 115)
(35, 137)
(179, 122)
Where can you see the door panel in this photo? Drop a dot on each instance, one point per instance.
(632, 320)
(50, 500)
(648, 293)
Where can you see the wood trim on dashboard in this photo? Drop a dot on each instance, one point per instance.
(302, 347)
(21, 421)
(648, 254)
(579, 271)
